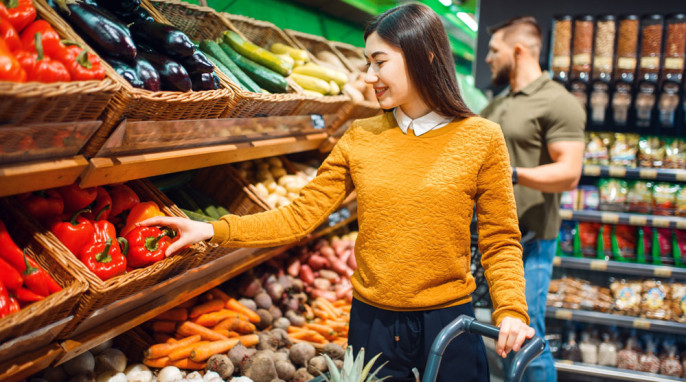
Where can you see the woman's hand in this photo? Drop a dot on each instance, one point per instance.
(513, 332)
(189, 231)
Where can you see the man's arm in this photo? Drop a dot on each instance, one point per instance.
(561, 175)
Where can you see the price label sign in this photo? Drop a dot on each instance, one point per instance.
(638, 220)
(557, 260)
(609, 218)
(566, 214)
(617, 172)
(641, 324)
(660, 222)
(647, 173)
(318, 121)
(662, 272)
(592, 170)
(563, 314)
(598, 265)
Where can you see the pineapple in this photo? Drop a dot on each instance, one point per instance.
(353, 370)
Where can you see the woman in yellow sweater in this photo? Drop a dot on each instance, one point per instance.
(418, 170)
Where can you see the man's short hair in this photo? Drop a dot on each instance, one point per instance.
(525, 26)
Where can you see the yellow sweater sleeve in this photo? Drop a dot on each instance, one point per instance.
(499, 236)
(290, 223)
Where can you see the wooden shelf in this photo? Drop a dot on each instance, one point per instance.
(610, 373)
(671, 327)
(634, 269)
(624, 218)
(34, 176)
(120, 169)
(659, 174)
(30, 363)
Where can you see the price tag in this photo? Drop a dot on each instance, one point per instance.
(602, 63)
(674, 63)
(617, 172)
(681, 176)
(318, 121)
(598, 265)
(609, 218)
(626, 63)
(564, 362)
(681, 224)
(581, 59)
(557, 260)
(563, 314)
(647, 173)
(641, 324)
(592, 170)
(662, 272)
(650, 62)
(638, 220)
(660, 222)
(561, 62)
(566, 214)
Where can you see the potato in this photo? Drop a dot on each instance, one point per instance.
(281, 190)
(278, 172)
(275, 162)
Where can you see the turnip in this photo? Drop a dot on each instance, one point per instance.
(275, 291)
(265, 319)
(282, 323)
(263, 300)
(301, 353)
(301, 375)
(111, 376)
(284, 369)
(317, 365)
(110, 360)
(221, 364)
(262, 368)
(281, 337)
(169, 374)
(138, 373)
(82, 364)
(275, 312)
(334, 351)
(249, 303)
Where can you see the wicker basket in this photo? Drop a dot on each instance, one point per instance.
(102, 293)
(34, 102)
(140, 104)
(58, 305)
(202, 23)
(347, 53)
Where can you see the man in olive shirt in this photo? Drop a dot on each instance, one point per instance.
(543, 126)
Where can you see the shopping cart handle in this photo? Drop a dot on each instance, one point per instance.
(532, 348)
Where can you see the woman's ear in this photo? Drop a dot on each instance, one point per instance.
(431, 57)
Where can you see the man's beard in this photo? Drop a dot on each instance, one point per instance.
(502, 76)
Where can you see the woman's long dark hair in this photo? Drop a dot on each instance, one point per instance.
(418, 32)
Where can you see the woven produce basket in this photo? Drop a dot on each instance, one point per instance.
(226, 187)
(34, 102)
(348, 53)
(201, 23)
(102, 293)
(140, 104)
(58, 305)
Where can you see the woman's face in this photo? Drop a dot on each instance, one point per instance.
(388, 74)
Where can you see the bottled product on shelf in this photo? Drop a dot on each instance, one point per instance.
(561, 51)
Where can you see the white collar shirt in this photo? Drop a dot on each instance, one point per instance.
(421, 125)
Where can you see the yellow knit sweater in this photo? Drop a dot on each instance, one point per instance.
(415, 198)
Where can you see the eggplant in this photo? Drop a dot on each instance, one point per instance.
(120, 7)
(197, 63)
(105, 31)
(125, 70)
(172, 74)
(164, 37)
(138, 16)
(205, 81)
(147, 74)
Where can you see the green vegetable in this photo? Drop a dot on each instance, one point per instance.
(222, 68)
(196, 216)
(257, 54)
(212, 49)
(265, 77)
(222, 211)
(212, 212)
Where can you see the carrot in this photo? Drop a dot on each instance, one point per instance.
(188, 364)
(218, 293)
(212, 319)
(236, 324)
(175, 314)
(295, 329)
(309, 313)
(205, 297)
(233, 334)
(236, 306)
(324, 330)
(337, 325)
(161, 337)
(185, 351)
(188, 328)
(157, 362)
(249, 340)
(161, 350)
(205, 351)
(188, 303)
(325, 305)
(171, 340)
(342, 341)
(322, 314)
(339, 303)
(207, 307)
(309, 335)
(164, 326)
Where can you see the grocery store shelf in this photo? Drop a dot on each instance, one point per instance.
(634, 269)
(34, 176)
(610, 373)
(659, 174)
(624, 218)
(614, 319)
(28, 364)
(328, 145)
(106, 170)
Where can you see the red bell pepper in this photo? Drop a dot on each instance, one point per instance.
(74, 233)
(14, 305)
(123, 198)
(104, 258)
(82, 64)
(35, 278)
(10, 35)
(10, 276)
(104, 230)
(10, 67)
(147, 245)
(77, 198)
(4, 301)
(40, 67)
(19, 12)
(42, 205)
(26, 296)
(102, 206)
(140, 212)
(49, 38)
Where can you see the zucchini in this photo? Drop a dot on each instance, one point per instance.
(212, 212)
(295, 54)
(257, 54)
(189, 201)
(265, 77)
(212, 48)
(311, 83)
(222, 211)
(325, 74)
(196, 216)
(222, 68)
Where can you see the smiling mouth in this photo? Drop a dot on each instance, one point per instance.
(380, 91)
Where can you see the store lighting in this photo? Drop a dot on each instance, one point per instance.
(447, 3)
(468, 20)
